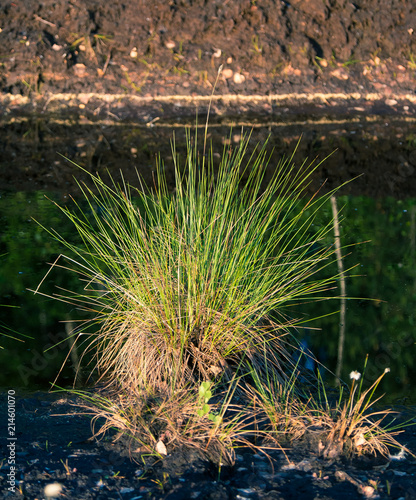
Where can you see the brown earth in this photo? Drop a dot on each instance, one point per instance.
(81, 77)
(297, 52)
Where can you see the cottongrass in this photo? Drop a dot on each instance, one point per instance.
(193, 285)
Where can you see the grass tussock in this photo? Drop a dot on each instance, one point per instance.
(190, 288)
(349, 425)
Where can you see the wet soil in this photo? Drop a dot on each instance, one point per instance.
(378, 156)
(54, 445)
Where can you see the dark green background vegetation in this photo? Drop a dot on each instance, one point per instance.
(380, 317)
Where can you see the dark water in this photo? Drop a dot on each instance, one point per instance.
(380, 320)
(378, 152)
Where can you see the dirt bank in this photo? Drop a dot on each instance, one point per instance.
(365, 50)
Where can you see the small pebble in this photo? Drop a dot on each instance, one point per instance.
(227, 73)
(238, 78)
(161, 448)
(80, 69)
(126, 490)
(53, 490)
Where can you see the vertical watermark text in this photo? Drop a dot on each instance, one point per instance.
(11, 440)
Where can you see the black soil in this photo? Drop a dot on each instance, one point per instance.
(54, 445)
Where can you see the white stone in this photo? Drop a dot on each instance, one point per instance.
(161, 448)
(53, 490)
(238, 78)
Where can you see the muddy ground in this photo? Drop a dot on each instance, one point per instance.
(54, 445)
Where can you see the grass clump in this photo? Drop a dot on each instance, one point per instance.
(190, 287)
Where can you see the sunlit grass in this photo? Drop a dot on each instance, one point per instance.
(190, 287)
(189, 281)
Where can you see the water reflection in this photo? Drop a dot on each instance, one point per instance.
(383, 148)
(380, 321)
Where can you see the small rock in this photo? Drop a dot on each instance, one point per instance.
(123, 491)
(227, 73)
(80, 70)
(305, 465)
(391, 102)
(217, 53)
(359, 440)
(53, 490)
(367, 491)
(170, 45)
(246, 491)
(238, 78)
(133, 53)
(161, 448)
(340, 74)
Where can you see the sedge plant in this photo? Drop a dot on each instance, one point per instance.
(185, 286)
(192, 284)
(354, 424)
